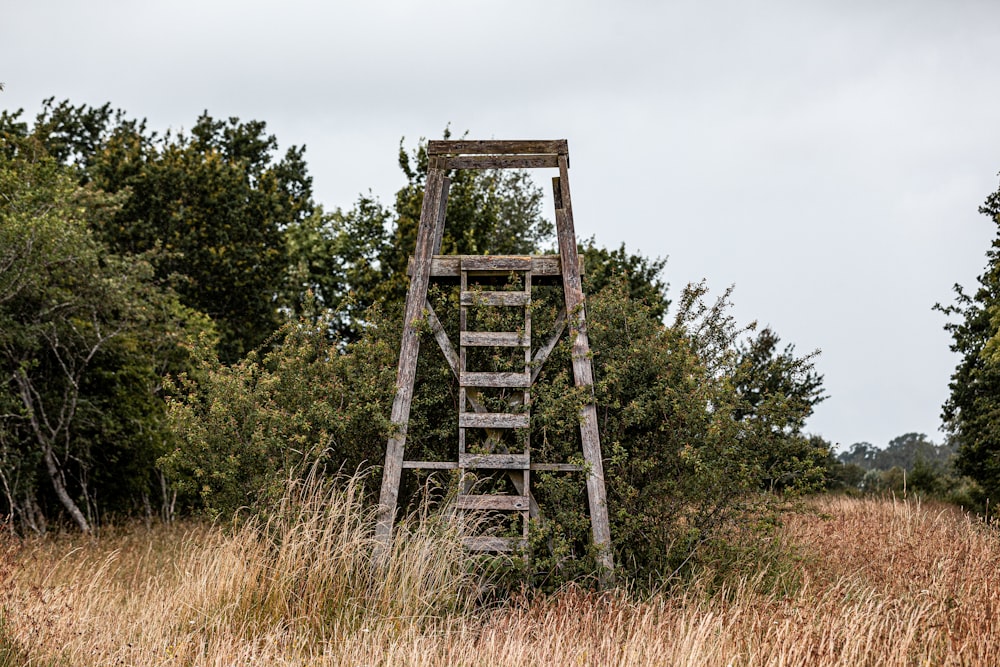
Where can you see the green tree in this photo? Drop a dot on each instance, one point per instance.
(972, 412)
(685, 460)
(356, 258)
(352, 259)
(83, 333)
(243, 430)
(214, 203)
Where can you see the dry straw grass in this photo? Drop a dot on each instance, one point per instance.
(881, 583)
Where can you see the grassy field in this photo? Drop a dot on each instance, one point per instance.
(881, 582)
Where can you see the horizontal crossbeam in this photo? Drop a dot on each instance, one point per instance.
(495, 162)
(492, 339)
(494, 461)
(496, 380)
(471, 464)
(492, 420)
(497, 262)
(488, 147)
(494, 502)
(450, 266)
(495, 298)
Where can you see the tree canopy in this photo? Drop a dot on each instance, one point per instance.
(178, 317)
(209, 209)
(972, 411)
(85, 336)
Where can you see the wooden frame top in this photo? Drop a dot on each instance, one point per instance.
(518, 147)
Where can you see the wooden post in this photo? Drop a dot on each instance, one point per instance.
(583, 370)
(431, 218)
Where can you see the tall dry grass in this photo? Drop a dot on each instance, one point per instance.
(880, 583)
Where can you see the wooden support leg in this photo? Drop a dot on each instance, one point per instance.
(431, 219)
(583, 371)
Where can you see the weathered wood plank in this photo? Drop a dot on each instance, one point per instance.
(494, 298)
(493, 147)
(409, 347)
(495, 380)
(542, 354)
(496, 262)
(442, 208)
(500, 162)
(431, 465)
(499, 544)
(583, 371)
(496, 502)
(494, 462)
(492, 420)
(442, 338)
(492, 339)
(450, 266)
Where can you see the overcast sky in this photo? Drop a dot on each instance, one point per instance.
(827, 158)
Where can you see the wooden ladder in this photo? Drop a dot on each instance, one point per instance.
(473, 413)
(472, 384)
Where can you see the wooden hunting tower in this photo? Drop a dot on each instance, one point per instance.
(473, 411)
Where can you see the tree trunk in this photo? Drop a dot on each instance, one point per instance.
(55, 474)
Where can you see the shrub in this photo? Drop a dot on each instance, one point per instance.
(244, 430)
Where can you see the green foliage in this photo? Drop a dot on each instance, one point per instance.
(84, 335)
(904, 452)
(701, 423)
(972, 411)
(641, 274)
(244, 430)
(209, 209)
(356, 258)
(910, 463)
(686, 459)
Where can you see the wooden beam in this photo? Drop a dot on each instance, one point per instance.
(442, 338)
(583, 371)
(542, 354)
(514, 147)
(492, 420)
(430, 465)
(409, 347)
(496, 262)
(500, 162)
(450, 266)
(442, 208)
(492, 339)
(494, 298)
(494, 462)
(492, 502)
(494, 380)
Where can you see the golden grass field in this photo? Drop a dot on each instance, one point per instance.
(881, 582)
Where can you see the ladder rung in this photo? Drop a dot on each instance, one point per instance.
(485, 502)
(492, 420)
(496, 263)
(492, 338)
(494, 461)
(485, 543)
(495, 380)
(495, 298)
